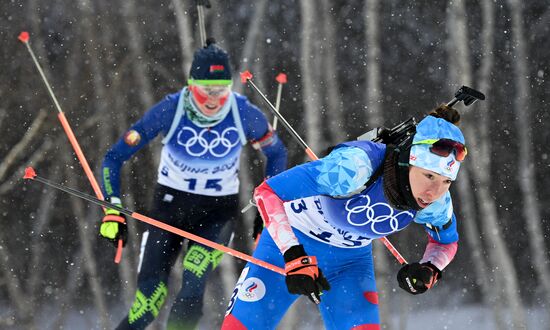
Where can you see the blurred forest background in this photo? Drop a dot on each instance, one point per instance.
(351, 65)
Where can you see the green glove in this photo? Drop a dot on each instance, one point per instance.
(113, 226)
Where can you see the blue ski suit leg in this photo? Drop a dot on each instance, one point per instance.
(261, 298)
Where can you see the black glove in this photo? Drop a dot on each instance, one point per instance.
(258, 226)
(417, 278)
(302, 274)
(113, 224)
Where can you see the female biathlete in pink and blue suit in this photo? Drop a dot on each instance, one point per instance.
(323, 216)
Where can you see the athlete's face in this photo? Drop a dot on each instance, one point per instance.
(210, 99)
(427, 186)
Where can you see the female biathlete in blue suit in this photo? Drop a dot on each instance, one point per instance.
(322, 217)
(204, 127)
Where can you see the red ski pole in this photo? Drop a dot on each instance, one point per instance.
(281, 79)
(31, 175)
(247, 77)
(24, 38)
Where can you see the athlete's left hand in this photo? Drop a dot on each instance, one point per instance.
(417, 278)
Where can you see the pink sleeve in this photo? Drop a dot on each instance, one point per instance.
(440, 255)
(275, 219)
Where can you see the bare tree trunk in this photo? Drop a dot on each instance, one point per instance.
(43, 217)
(90, 263)
(185, 36)
(461, 73)
(246, 190)
(251, 42)
(245, 175)
(75, 73)
(37, 156)
(35, 21)
(111, 123)
(135, 44)
(308, 63)
(253, 33)
(87, 239)
(218, 31)
(22, 146)
(66, 299)
(480, 174)
(145, 87)
(249, 159)
(128, 265)
(3, 113)
(375, 118)
(91, 36)
(499, 256)
(219, 287)
(243, 241)
(242, 228)
(489, 293)
(527, 175)
(302, 315)
(21, 299)
(335, 107)
(95, 39)
(374, 86)
(16, 293)
(228, 273)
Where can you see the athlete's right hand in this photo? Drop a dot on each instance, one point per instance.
(258, 226)
(302, 274)
(113, 225)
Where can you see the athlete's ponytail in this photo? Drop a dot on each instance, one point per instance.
(446, 112)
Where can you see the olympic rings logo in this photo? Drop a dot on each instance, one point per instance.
(374, 218)
(208, 140)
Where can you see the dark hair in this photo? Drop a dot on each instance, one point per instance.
(209, 41)
(446, 112)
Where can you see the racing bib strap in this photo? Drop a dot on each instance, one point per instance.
(177, 117)
(237, 118)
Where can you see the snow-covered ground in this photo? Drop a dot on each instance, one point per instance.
(467, 317)
(458, 318)
(463, 317)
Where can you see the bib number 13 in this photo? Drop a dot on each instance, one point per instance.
(210, 184)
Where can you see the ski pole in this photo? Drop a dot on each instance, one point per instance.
(24, 38)
(247, 77)
(201, 4)
(281, 79)
(30, 174)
